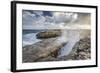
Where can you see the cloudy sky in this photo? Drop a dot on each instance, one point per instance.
(32, 19)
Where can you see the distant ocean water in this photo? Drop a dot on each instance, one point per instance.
(29, 37)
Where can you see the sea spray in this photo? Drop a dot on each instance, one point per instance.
(71, 36)
(29, 39)
(63, 38)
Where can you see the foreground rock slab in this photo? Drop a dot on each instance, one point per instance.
(42, 49)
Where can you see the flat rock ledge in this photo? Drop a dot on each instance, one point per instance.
(45, 49)
(48, 50)
(48, 34)
(80, 51)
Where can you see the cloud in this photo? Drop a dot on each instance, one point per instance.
(46, 19)
(65, 17)
(28, 18)
(38, 12)
(31, 19)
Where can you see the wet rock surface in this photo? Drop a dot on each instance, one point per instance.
(81, 51)
(42, 50)
(48, 48)
(47, 51)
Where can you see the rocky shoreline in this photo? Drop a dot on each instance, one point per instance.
(48, 49)
(48, 34)
(81, 51)
(42, 49)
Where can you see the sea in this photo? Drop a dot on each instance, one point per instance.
(29, 37)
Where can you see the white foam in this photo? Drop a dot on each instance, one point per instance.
(29, 39)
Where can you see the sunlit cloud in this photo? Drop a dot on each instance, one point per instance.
(47, 19)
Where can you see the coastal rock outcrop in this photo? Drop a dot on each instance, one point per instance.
(51, 44)
(81, 51)
(42, 49)
(48, 34)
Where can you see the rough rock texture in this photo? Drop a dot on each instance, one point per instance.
(48, 34)
(42, 50)
(81, 51)
(45, 51)
(48, 49)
